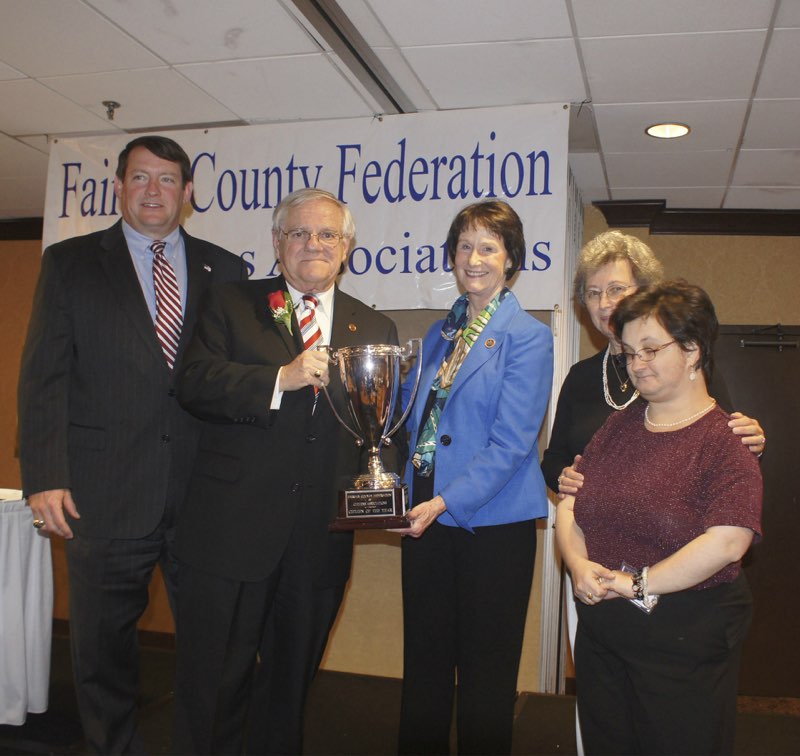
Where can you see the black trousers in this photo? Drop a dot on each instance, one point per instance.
(108, 593)
(663, 683)
(247, 654)
(465, 600)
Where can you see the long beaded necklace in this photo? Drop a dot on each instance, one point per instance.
(623, 385)
(607, 394)
(677, 422)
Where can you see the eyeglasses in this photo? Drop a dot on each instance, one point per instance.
(613, 293)
(645, 355)
(303, 235)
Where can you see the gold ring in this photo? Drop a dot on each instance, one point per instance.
(589, 596)
(317, 373)
(38, 524)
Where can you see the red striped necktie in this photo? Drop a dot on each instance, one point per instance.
(169, 316)
(309, 328)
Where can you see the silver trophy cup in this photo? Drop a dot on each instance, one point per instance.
(370, 376)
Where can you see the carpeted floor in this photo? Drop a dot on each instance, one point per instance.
(353, 714)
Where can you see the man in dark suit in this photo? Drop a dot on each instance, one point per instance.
(261, 576)
(105, 448)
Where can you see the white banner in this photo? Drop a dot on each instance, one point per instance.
(404, 178)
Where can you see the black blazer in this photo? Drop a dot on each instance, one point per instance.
(97, 407)
(259, 473)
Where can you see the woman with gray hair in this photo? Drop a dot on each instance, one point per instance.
(611, 266)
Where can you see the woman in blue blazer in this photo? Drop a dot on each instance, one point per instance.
(477, 490)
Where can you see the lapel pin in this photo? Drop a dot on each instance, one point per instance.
(206, 267)
(489, 343)
(352, 327)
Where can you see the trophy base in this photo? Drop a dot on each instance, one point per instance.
(360, 509)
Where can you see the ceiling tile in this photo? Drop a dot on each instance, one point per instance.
(404, 76)
(768, 168)
(788, 15)
(710, 168)
(714, 125)
(783, 56)
(267, 90)
(617, 18)
(37, 141)
(20, 159)
(31, 108)
(421, 22)
(45, 38)
(179, 101)
(511, 73)
(673, 67)
(773, 124)
(361, 15)
(7, 72)
(187, 31)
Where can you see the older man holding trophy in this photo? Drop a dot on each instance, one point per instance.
(262, 574)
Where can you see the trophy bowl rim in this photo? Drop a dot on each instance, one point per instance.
(382, 350)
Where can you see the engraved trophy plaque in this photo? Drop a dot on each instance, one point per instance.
(371, 378)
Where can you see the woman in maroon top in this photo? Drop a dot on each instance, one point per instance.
(670, 503)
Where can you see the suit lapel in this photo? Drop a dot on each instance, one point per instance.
(291, 341)
(198, 279)
(124, 282)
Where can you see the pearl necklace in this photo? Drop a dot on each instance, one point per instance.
(677, 422)
(607, 394)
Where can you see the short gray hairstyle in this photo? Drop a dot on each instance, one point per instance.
(300, 197)
(611, 246)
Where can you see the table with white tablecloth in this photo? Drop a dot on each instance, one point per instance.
(26, 611)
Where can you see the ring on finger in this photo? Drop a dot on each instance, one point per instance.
(38, 524)
(317, 373)
(589, 597)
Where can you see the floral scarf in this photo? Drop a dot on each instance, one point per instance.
(462, 337)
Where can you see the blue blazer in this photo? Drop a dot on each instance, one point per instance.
(487, 459)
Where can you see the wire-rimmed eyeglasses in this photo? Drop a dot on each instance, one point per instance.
(303, 235)
(646, 354)
(614, 292)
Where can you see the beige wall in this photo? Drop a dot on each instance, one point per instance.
(752, 280)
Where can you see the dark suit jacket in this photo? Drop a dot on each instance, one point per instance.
(259, 473)
(97, 407)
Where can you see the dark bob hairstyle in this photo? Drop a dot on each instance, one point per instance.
(162, 147)
(495, 216)
(684, 311)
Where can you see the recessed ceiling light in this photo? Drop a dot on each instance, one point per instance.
(667, 130)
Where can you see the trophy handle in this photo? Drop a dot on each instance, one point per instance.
(333, 358)
(408, 347)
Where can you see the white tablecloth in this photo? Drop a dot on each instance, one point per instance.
(26, 612)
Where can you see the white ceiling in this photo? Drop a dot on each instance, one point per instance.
(728, 68)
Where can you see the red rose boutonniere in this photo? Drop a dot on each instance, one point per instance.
(281, 307)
